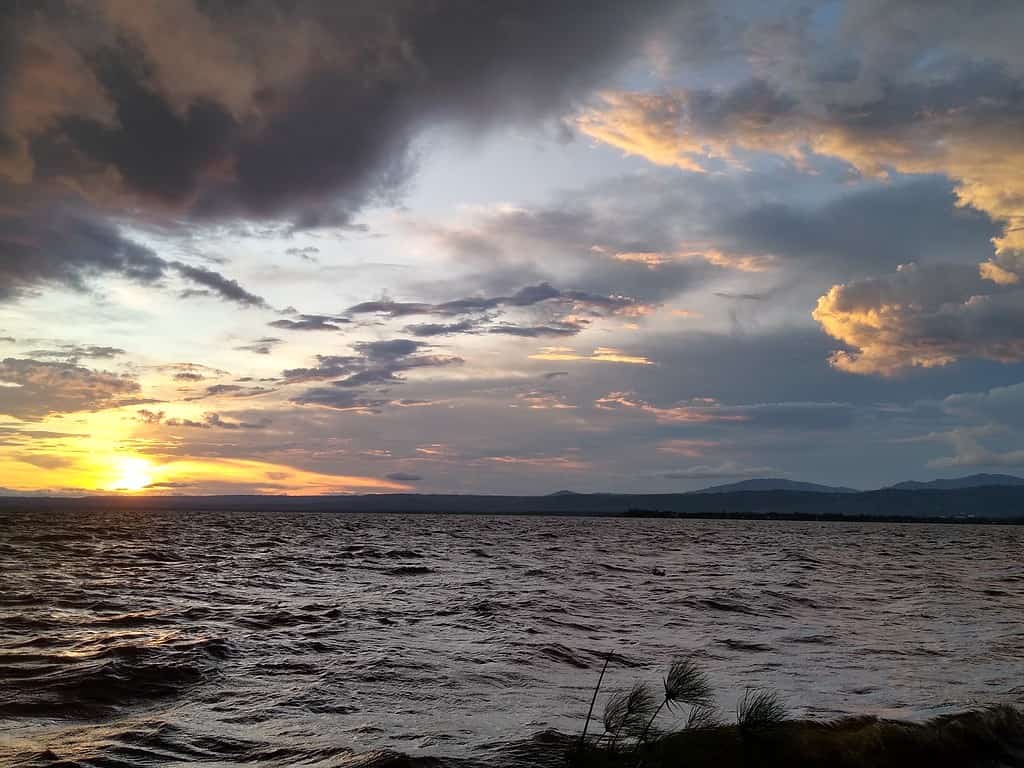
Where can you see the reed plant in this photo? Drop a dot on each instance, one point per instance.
(763, 734)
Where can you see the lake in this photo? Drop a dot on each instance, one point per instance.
(162, 638)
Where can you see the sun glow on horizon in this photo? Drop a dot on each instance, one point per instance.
(132, 474)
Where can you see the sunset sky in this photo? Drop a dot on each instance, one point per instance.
(508, 246)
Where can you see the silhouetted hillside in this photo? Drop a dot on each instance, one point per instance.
(775, 484)
(970, 481)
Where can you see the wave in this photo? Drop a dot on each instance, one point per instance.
(724, 605)
(744, 645)
(278, 619)
(565, 655)
(97, 684)
(331, 619)
(410, 570)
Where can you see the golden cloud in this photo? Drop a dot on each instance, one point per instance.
(980, 149)
(742, 262)
(599, 355)
(699, 411)
(923, 318)
(541, 462)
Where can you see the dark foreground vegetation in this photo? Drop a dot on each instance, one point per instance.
(989, 737)
(762, 734)
(679, 725)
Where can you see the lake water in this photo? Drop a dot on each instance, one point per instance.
(174, 638)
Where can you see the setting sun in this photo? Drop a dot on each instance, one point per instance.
(131, 474)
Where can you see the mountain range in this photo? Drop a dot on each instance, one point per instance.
(775, 484)
(970, 481)
(782, 484)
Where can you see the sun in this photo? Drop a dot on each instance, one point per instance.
(131, 473)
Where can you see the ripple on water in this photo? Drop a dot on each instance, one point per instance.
(105, 678)
(171, 638)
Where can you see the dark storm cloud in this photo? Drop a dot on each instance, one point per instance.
(541, 297)
(229, 390)
(389, 350)
(311, 323)
(984, 32)
(269, 131)
(157, 152)
(327, 367)
(538, 331)
(64, 248)
(218, 284)
(339, 399)
(375, 363)
(209, 421)
(873, 228)
(301, 111)
(527, 296)
(67, 247)
(403, 477)
(426, 330)
(39, 388)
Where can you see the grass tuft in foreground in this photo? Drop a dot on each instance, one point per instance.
(763, 735)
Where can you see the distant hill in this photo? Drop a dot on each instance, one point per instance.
(775, 484)
(955, 483)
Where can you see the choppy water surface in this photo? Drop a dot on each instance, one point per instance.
(160, 638)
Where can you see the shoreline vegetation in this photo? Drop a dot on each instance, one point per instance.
(761, 733)
(680, 725)
(993, 736)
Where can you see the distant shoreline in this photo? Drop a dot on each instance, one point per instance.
(980, 505)
(821, 518)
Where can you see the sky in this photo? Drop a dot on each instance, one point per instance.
(508, 247)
